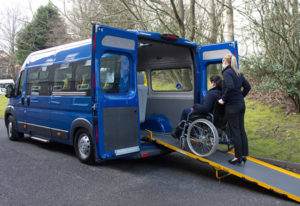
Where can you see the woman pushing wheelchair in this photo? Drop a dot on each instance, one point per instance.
(230, 94)
(236, 87)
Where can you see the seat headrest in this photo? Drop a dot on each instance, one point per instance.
(140, 79)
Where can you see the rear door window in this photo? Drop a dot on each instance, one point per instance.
(115, 73)
(213, 69)
(173, 80)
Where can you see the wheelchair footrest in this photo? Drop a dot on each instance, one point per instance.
(228, 141)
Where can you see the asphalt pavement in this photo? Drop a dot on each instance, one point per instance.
(34, 173)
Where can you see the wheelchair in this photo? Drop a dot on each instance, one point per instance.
(204, 132)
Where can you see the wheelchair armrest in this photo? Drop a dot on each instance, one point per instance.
(208, 116)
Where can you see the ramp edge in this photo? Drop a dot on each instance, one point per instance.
(240, 175)
(279, 169)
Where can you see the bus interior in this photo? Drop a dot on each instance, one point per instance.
(170, 79)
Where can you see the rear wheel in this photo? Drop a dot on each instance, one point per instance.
(202, 137)
(84, 147)
(12, 131)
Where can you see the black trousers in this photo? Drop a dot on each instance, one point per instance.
(235, 113)
(185, 113)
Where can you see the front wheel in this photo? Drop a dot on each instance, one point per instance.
(84, 147)
(12, 131)
(202, 137)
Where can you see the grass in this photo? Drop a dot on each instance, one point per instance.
(271, 133)
(3, 104)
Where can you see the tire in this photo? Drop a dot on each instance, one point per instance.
(202, 137)
(84, 147)
(12, 131)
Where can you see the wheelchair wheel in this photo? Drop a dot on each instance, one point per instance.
(202, 137)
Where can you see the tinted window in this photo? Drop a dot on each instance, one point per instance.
(20, 84)
(114, 73)
(172, 80)
(63, 78)
(83, 76)
(72, 77)
(38, 82)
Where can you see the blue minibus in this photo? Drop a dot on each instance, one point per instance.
(100, 95)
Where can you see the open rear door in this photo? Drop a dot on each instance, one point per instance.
(115, 97)
(211, 62)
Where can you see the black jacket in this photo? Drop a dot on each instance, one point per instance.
(232, 87)
(209, 101)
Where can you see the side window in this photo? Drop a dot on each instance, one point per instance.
(63, 78)
(173, 80)
(83, 76)
(38, 82)
(20, 84)
(213, 69)
(115, 73)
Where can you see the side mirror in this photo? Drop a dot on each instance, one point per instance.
(9, 91)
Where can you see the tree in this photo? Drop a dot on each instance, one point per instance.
(229, 28)
(187, 19)
(47, 29)
(276, 65)
(125, 14)
(9, 28)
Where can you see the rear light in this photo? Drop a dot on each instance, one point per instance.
(94, 45)
(144, 154)
(94, 82)
(169, 37)
(97, 137)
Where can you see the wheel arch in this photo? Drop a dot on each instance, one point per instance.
(80, 123)
(9, 111)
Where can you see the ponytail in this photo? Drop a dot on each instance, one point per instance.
(234, 65)
(231, 59)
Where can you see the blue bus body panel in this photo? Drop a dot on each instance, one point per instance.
(74, 54)
(157, 36)
(53, 114)
(65, 53)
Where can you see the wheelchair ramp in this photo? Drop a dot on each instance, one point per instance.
(265, 175)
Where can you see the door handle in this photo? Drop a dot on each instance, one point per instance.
(94, 107)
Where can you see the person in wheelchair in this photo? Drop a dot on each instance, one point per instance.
(207, 106)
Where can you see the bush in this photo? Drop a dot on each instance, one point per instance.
(271, 77)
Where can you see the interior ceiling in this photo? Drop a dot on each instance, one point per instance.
(154, 53)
